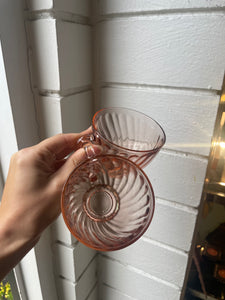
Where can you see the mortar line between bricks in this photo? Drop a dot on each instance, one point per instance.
(70, 246)
(57, 15)
(181, 153)
(178, 205)
(117, 290)
(161, 88)
(167, 11)
(163, 245)
(92, 289)
(83, 272)
(85, 20)
(142, 273)
(64, 93)
(85, 269)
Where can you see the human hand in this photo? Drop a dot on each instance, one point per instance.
(31, 197)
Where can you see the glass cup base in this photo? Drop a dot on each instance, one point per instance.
(101, 203)
(107, 203)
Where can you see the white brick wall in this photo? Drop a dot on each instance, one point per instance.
(140, 255)
(174, 56)
(193, 129)
(135, 283)
(83, 289)
(164, 58)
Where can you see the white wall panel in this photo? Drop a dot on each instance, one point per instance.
(137, 50)
(152, 258)
(177, 177)
(39, 4)
(93, 294)
(80, 290)
(58, 114)
(63, 46)
(61, 232)
(187, 117)
(172, 224)
(135, 284)
(87, 281)
(77, 112)
(79, 7)
(75, 54)
(66, 289)
(131, 6)
(71, 261)
(109, 293)
(44, 49)
(49, 116)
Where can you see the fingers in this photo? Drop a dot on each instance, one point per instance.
(76, 159)
(62, 144)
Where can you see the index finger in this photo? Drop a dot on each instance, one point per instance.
(63, 144)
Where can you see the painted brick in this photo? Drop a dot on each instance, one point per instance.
(135, 284)
(39, 4)
(177, 177)
(61, 232)
(131, 6)
(58, 114)
(154, 259)
(106, 292)
(172, 224)
(83, 289)
(75, 55)
(87, 281)
(68, 290)
(63, 59)
(94, 294)
(72, 261)
(49, 116)
(173, 56)
(177, 111)
(44, 47)
(76, 112)
(78, 7)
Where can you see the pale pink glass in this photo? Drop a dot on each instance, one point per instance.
(108, 201)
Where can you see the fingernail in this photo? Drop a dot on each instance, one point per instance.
(92, 150)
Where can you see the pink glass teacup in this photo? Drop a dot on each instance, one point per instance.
(108, 201)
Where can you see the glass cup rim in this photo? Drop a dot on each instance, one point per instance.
(95, 129)
(152, 201)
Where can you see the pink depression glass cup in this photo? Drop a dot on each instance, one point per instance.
(108, 201)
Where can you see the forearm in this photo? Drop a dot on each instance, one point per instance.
(13, 245)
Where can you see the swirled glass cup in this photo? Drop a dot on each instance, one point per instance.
(108, 202)
(126, 132)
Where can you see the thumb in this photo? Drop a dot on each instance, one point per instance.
(76, 159)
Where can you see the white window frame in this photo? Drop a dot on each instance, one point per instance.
(34, 274)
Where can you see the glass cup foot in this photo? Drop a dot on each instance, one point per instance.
(101, 203)
(107, 203)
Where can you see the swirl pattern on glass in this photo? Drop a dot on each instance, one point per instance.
(128, 133)
(108, 202)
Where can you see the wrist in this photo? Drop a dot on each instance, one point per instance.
(14, 245)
